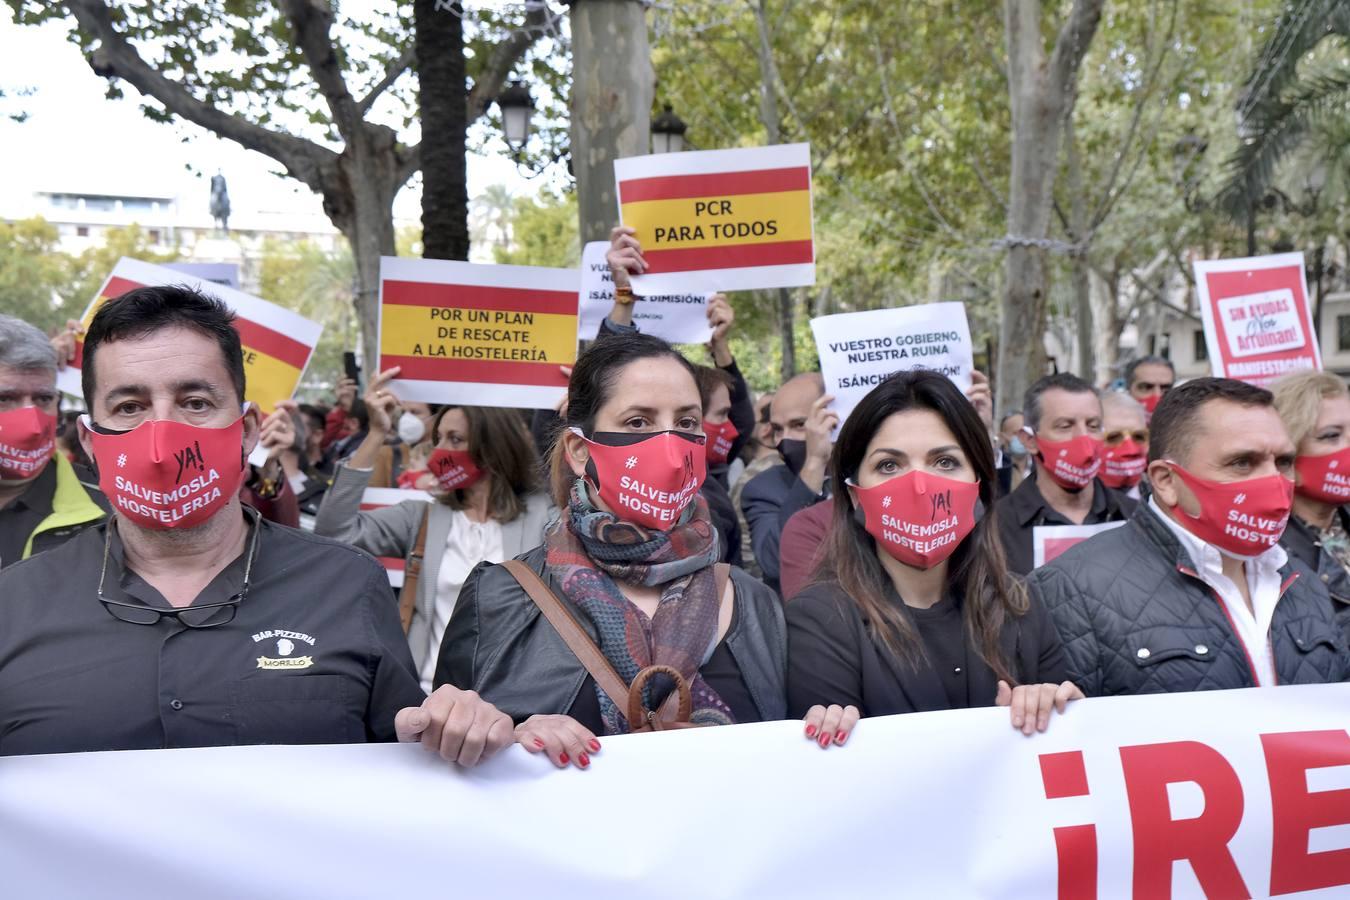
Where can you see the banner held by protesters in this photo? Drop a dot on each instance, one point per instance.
(860, 350)
(1257, 318)
(720, 220)
(477, 334)
(678, 318)
(277, 343)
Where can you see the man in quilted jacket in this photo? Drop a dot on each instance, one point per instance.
(1195, 593)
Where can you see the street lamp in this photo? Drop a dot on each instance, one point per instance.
(668, 132)
(516, 107)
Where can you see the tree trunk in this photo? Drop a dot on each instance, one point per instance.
(1080, 273)
(786, 335)
(1040, 92)
(612, 87)
(442, 94)
(1104, 296)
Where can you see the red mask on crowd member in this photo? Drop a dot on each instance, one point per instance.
(1240, 518)
(1071, 464)
(1325, 478)
(720, 439)
(919, 518)
(1123, 465)
(455, 470)
(27, 441)
(164, 474)
(648, 478)
(1150, 404)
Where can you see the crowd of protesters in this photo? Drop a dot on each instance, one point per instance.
(663, 550)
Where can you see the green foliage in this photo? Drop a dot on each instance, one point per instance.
(34, 275)
(543, 232)
(302, 277)
(91, 268)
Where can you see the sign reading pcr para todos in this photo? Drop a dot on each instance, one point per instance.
(720, 220)
(1258, 323)
(277, 342)
(475, 334)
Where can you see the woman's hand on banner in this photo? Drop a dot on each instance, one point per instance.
(459, 725)
(830, 726)
(562, 738)
(381, 402)
(1031, 703)
(624, 256)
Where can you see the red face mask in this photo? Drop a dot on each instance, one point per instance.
(1071, 464)
(1150, 404)
(163, 474)
(27, 440)
(1325, 478)
(720, 439)
(647, 479)
(1240, 518)
(1123, 465)
(454, 469)
(919, 518)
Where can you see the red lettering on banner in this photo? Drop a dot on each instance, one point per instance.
(1064, 775)
(1296, 811)
(1160, 840)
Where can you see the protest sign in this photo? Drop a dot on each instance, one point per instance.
(1258, 323)
(377, 498)
(277, 342)
(216, 273)
(678, 318)
(1050, 541)
(476, 334)
(860, 350)
(720, 220)
(1221, 793)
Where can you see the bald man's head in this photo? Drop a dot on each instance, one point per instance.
(792, 404)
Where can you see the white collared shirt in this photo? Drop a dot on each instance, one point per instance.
(1263, 583)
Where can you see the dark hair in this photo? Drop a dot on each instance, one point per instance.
(1064, 381)
(1172, 429)
(313, 414)
(499, 443)
(1008, 415)
(145, 310)
(978, 569)
(360, 413)
(1147, 361)
(593, 378)
(710, 379)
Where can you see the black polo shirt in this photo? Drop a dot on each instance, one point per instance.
(314, 654)
(1024, 509)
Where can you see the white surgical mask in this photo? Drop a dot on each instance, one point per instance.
(411, 429)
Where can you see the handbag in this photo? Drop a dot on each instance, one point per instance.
(407, 595)
(674, 712)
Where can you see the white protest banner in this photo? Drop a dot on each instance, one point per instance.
(678, 318)
(1049, 541)
(720, 220)
(860, 350)
(377, 498)
(1258, 322)
(277, 342)
(1218, 793)
(482, 335)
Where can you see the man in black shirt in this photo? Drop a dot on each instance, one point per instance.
(44, 500)
(185, 621)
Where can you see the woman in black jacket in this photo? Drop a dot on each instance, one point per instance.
(913, 608)
(633, 563)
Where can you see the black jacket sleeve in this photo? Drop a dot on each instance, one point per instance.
(742, 409)
(1068, 610)
(395, 684)
(823, 645)
(456, 663)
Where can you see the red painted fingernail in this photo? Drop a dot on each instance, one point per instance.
(810, 731)
(594, 745)
(564, 759)
(841, 736)
(583, 760)
(825, 740)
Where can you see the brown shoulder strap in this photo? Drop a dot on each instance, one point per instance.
(407, 597)
(576, 638)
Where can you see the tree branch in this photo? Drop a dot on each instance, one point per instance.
(392, 74)
(1072, 42)
(312, 21)
(115, 57)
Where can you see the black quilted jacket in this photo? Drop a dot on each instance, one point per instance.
(1135, 619)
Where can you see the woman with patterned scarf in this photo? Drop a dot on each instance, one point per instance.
(631, 562)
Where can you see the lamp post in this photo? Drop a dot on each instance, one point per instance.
(668, 132)
(516, 107)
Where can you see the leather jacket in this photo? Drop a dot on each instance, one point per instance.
(500, 645)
